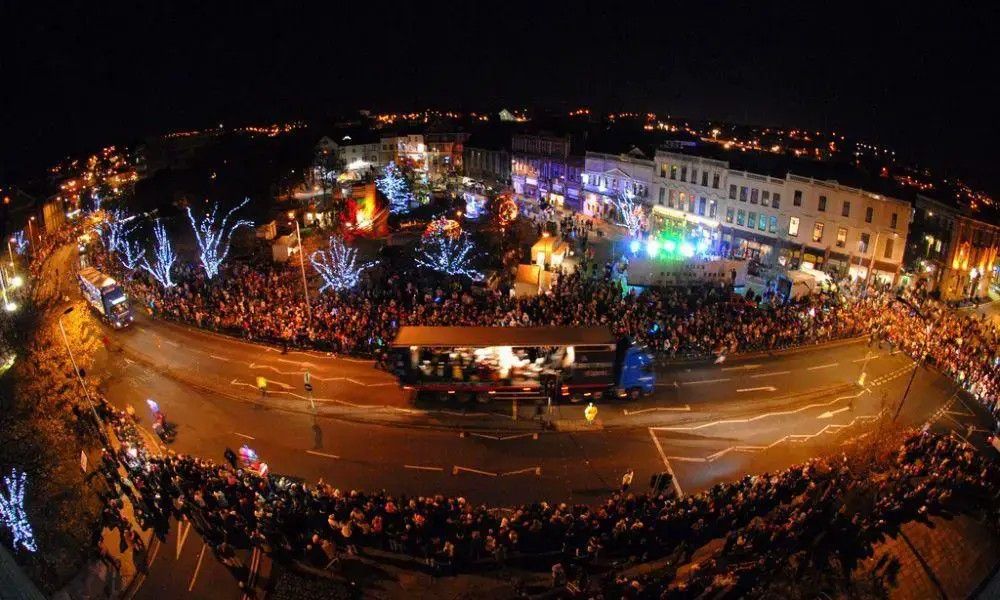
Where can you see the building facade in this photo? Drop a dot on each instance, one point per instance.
(950, 252)
(407, 150)
(788, 221)
(544, 168)
(605, 176)
(444, 154)
(487, 163)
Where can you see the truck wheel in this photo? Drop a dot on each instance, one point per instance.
(634, 393)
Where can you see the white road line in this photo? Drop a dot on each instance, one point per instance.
(504, 438)
(666, 463)
(172, 343)
(197, 567)
(705, 381)
(830, 413)
(457, 469)
(315, 453)
(741, 368)
(766, 388)
(296, 362)
(182, 535)
(242, 435)
(818, 367)
(758, 417)
(685, 408)
(536, 470)
(219, 357)
(423, 468)
(771, 374)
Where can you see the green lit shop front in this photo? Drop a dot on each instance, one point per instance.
(680, 229)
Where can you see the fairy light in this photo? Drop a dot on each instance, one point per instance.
(12, 513)
(213, 236)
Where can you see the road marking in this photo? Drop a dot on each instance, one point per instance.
(766, 388)
(255, 556)
(456, 469)
(536, 470)
(219, 357)
(296, 362)
(685, 408)
(129, 361)
(197, 567)
(172, 343)
(244, 436)
(758, 417)
(315, 453)
(182, 535)
(829, 414)
(423, 468)
(959, 413)
(741, 368)
(501, 438)
(826, 366)
(666, 463)
(705, 381)
(771, 374)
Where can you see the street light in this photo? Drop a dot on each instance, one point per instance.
(76, 369)
(302, 264)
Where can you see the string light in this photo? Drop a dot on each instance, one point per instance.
(631, 215)
(214, 238)
(20, 241)
(115, 229)
(12, 512)
(131, 253)
(164, 257)
(448, 254)
(338, 266)
(394, 187)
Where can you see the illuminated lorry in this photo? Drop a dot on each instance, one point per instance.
(106, 296)
(569, 363)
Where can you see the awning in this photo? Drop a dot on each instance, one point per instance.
(451, 337)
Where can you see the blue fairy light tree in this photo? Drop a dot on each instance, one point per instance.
(338, 266)
(12, 513)
(448, 254)
(394, 187)
(163, 257)
(214, 235)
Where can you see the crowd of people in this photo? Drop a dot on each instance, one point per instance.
(764, 518)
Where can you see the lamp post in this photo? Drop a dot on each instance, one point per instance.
(76, 369)
(302, 265)
(31, 231)
(10, 249)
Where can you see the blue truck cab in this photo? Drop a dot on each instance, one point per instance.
(634, 373)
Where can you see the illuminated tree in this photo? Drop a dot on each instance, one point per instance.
(131, 253)
(12, 514)
(117, 226)
(394, 187)
(448, 254)
(338, 266)
(20, 241)
(631, 214)
(164, 257)
(214, 236)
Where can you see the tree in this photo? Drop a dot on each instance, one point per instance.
(131, 253)
(20, 240)
(394, 187)
(448, 254)
(164, 257)
(116, 227)
(214, 236)
(631, 214)
(338, 266)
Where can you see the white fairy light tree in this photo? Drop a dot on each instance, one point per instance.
(20, 241)
(163, 257)
(12, 513)
(131, 253)
(214, 235)
(116, 227)
(338, 266)
(631, 214)
(448, 254)
(394, 187)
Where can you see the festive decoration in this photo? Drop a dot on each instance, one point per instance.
(131, 253)
(506, 212)
(116, 227)
(448, 254)
(394, 187)
(20, 241)
(213, 237)
(95, 198)
(443, 226)
(12, 513)
(338, 266)
(474, 205)
(164, 257)
(631, 215)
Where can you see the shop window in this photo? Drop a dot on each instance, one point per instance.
(753, 196)
(729, 215)
(776, 200)
(752, 220)
(740, 217)
(793, 226)
(841, 237)
(732, 191)
(818, 232)
(869, 213)
(797, 198)
(772, 224)
(743, 193)
(821, 205)
(765, 198)
(846, 212)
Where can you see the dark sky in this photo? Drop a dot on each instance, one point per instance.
(78, 77)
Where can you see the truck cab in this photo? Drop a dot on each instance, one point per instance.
(636, 376)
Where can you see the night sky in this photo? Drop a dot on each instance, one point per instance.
(76, 78)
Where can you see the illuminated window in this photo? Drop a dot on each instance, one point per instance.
(729, 215)
(740, 217)
(671, 198)
(673, 171)
(793, 226)
(818, 232)
(762, 223)
(772, 224)
(765, 198)
(743, 193)
(841, 237)
(752, 220)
